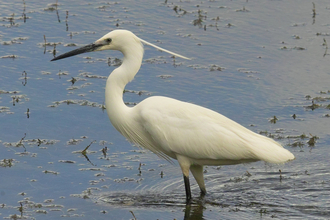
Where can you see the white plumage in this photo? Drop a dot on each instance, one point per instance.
(193, 135)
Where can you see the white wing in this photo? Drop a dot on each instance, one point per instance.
(173, 127)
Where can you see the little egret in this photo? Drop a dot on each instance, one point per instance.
(191, 134)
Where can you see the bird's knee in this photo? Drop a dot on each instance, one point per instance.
(184, 164)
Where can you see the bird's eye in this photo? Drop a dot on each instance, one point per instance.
(108, 40)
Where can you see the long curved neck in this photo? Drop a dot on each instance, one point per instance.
(116, 82)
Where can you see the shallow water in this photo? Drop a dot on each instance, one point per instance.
(251, 61)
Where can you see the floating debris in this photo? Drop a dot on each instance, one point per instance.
(178, 10)
(297, 144)
(214, 67)
(73, 141)
(292, 48)
(52, 6)
(296, 37)
(37, 142)
(73, 80)
(197, 66)
(89, 75)
(7, 162)
(312, 141)
(137, 92)
(66, 161)
(8, 92)
(299, 48)
(4, 109)
(70, 45)
(313, 106)
(131, 103)
(6, 43)
(273, 120)
(109, 166)
(50, 44)
(77, 102)
(51, 172)
(242, 10)
(165, 76)
(9, 56)
(114, 62)
(83, 196)
(158, 60)
(243, 70)
(92, 169)
(302, 136)
(127, 179)
(64, 73)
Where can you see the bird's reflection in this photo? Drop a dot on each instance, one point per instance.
(195, 211)
(192, 211)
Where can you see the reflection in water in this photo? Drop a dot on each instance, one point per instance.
(193, 211)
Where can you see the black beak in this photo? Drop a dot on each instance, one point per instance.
(84, 49)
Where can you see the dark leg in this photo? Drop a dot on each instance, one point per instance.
(203, 192)
(187, 186)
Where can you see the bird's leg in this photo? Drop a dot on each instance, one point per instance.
(185, 164)
(197, 171)
(187, 186)
(203, 193)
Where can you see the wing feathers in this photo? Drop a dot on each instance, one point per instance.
(169, 127)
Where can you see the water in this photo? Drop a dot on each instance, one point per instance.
(273, 60)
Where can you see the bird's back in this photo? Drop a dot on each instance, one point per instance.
(174, 128)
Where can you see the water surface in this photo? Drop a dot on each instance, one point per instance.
(251, 61)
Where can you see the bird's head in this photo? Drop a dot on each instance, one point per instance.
(117, 40)
(121, 40)
(114, 40)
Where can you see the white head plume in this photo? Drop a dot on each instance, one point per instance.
(162, 49)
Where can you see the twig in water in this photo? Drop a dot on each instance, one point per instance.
(45, 43)
(84, 151)
(58, 16)
(314, 12)
(133, 215)
(20, 142)
(326, 47)
(104, 151)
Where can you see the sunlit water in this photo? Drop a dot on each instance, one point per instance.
(251, 61)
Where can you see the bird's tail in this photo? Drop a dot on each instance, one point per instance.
(272, 152)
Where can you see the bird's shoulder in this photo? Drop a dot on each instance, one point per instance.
(170, 112)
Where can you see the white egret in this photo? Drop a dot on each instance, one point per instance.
(191, 134)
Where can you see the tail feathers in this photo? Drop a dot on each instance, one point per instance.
(273, 152)
(278, 156)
